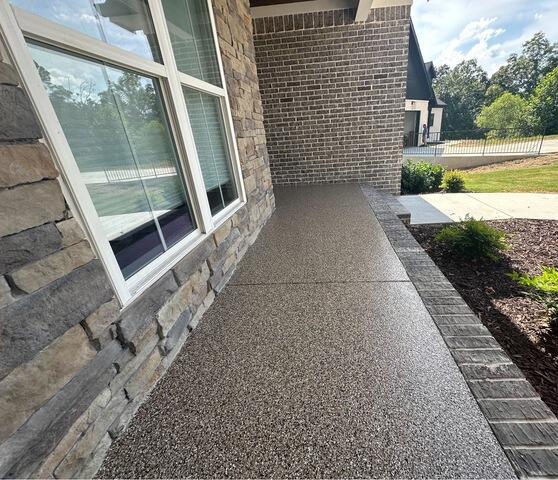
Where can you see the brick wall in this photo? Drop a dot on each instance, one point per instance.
(73, 366)
(333, 95)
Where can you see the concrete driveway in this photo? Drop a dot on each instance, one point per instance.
(550, 145)
(452, 207)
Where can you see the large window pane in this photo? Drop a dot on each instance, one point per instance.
(116, 126)
(206, 119)
(189, 26)
(123, 23)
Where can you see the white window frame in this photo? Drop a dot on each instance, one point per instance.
(16, 25)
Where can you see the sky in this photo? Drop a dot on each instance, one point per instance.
(450, 31)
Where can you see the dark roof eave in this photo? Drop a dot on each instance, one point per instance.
(414, 33)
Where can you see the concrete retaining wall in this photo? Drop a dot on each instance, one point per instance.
(462, 162)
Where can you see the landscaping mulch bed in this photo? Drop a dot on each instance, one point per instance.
(518, 322)
(539, 161)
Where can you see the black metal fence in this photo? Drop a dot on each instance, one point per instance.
(472, 142)
(121, 175)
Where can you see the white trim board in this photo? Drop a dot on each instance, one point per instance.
(363, 10)
(390, 3)
(363, 7)
(301, 7)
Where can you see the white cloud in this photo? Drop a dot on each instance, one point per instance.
(456, 30)
(472, 42)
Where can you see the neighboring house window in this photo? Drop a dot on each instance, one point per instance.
(138, 91)
(430, 119)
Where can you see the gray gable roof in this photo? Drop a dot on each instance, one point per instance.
(419, 73)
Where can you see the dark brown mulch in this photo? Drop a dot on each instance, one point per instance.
(540, 161)
(517, 321)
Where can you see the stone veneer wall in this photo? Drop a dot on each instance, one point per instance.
(334, 95)
(73, 366)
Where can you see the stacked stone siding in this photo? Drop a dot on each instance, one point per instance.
(74, 366)
(334, 95)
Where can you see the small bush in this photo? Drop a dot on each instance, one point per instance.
(473, 239)
(546, 282)
(545, 288)
(453, 181)
(421, 177)
(437, 172)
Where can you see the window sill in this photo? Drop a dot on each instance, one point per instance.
(226, 213)
(141, 281)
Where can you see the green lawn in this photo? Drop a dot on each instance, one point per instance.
(542, 178)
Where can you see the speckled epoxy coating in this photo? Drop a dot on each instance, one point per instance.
(320, 234)
(320, 375)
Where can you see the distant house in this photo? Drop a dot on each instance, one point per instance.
(421, 105)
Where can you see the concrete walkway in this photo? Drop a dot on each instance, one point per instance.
(319, 359)
(452, 207)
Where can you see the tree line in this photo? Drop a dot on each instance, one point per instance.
(521, 96)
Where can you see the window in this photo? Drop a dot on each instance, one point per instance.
(115, 124)
(124, 24)
(210, 139)
(192, 39)
(145, 139)
(192, 42)
(430, 119)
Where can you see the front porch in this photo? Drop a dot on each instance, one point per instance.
(320, 359)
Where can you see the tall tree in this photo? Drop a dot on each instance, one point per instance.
(492, 93)
(522, 72)
(544, 102)
(508, 115)
(463, 89)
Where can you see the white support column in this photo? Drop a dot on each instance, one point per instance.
(363, 10)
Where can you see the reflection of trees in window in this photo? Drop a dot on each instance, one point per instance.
(120, 128)
(101, 127)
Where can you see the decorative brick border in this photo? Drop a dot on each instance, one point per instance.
(521, 421)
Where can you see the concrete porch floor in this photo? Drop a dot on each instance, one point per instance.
(319, 359)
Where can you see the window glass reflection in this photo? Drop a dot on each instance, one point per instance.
(204, 111)
(123, 23)
(117, 129)
(191, 36)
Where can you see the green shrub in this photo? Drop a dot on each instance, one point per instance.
(546, 282)
(453, 181)
(421, 177)
(437, 172)
(543, 287)
(473, 239)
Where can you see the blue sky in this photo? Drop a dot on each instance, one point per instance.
(450, 31)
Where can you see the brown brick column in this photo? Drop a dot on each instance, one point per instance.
(334, 95)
